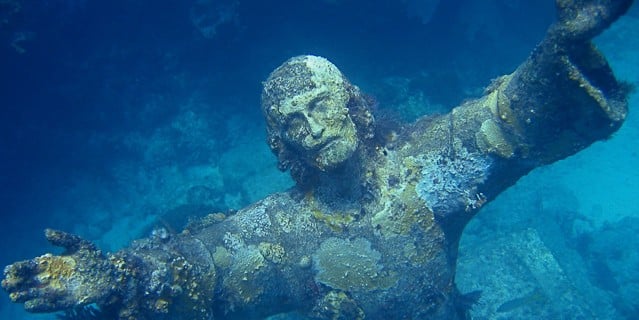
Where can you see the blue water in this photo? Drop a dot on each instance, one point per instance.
(120, 116)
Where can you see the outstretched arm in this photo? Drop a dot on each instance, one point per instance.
(563, 98)
(250, 265)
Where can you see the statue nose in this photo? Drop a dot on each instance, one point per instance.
(316, 129)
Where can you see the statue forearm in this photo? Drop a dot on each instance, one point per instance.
(562, 99)
(161, 277)
(564, 96)
(559, 102)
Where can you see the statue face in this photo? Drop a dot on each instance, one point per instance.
(320, 127)
(310, 111)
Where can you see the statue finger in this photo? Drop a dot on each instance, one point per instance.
(41, 305)
(41, 299)
(19, 274)
(24, 294)
(68, 241)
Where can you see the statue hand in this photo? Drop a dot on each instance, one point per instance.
(584, 19)
(80, 276)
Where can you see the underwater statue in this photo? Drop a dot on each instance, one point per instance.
(371, 230)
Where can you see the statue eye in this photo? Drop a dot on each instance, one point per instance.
(318, 106)
(297, 129)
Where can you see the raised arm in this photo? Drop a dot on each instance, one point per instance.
(563, 98)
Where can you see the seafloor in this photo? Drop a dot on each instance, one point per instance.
(118, 118)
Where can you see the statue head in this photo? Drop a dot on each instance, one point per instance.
(309, 107)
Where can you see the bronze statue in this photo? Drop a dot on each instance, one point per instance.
(372, 227)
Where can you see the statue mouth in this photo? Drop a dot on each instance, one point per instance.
(334, 153)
